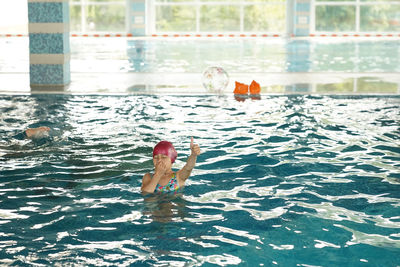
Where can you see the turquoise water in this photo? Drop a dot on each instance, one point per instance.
(235, 55)
(259, 55)
(282, 181)
(176, 65)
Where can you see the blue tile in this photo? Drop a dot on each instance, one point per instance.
(302, 32)
(138, 32)
(49, 43)
(303, 7)
(138, 7)
(66, 43)
(66, 18)
(40, 12)
(42, 74)
(303, 88)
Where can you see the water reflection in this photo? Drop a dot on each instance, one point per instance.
(31, 112)
(165, 208)
(281, 180)
(140, 55)
(118, 65)
(263, 55)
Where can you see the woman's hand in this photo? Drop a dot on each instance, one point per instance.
(194, 148)
(161, 168)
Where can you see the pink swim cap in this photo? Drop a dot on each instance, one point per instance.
(165, 148)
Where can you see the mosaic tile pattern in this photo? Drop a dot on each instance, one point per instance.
(303, 6)
(43, 74)
(139, 6)
(301, 32)
(302, 18)
(48, 12)
(138, 31)
(137, 15)
(49, 43)
(298, 54)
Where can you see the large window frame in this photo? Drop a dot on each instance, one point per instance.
(83, 14)
(357, 4)
(153, 4)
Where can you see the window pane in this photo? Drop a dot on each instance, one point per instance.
(175, 18)
(104, 1)
(378, 0)
(380, 18)
(75, 18)
(346, 86)
(335, 0)
(105, 18)
(366, 85)
(227, 1)
(224, 1)
(335, 18)
(267, 1)
(265, 18)
(174, 1)
(219, 18)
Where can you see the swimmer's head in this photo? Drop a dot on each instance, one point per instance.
(165, 148)
(40, 135)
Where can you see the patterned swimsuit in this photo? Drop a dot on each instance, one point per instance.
(171, 186)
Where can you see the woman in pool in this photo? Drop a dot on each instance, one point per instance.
(33, 133)
(39, 132)
(164, 179)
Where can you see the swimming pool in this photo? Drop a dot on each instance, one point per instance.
(165, 65)
(285, 180)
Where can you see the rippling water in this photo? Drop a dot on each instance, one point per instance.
(285, 180)
(253, 55)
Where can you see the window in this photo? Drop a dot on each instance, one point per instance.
(97, 15)
(219, 16)
(357, 16)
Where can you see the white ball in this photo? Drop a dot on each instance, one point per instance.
(215, 79)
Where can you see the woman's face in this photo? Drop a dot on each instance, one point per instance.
(162, 158)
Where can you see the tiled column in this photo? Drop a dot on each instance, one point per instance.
(49, 48)
(302, 9)
(136, 17)
(298, 61)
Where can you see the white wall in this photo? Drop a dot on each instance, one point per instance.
(14, 16)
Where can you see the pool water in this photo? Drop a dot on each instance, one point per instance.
(282, 181)
(236, 55)
(176, 65)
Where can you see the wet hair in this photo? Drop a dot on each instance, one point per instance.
(165, 148)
